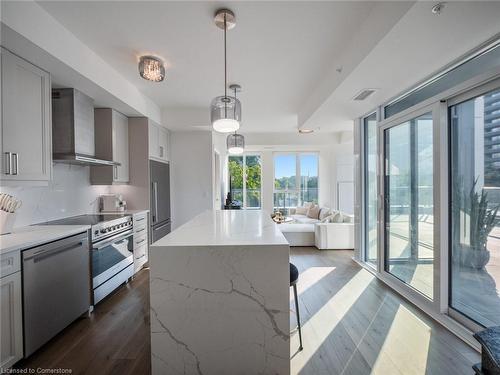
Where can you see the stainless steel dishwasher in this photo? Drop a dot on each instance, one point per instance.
(56, 288)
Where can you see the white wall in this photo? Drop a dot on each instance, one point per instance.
(220, 189)
(191, 174)
(68, 194)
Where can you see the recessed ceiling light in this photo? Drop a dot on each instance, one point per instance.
(438, 8)
(306, 131)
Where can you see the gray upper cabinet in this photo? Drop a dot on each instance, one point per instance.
(111, 143)
(159, 147)
(26, 147)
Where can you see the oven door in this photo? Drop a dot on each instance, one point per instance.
(111, 256)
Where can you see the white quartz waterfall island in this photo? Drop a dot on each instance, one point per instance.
(220, 296)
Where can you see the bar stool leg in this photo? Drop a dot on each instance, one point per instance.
(298, 315)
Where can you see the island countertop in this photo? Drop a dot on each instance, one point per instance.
(226, 228)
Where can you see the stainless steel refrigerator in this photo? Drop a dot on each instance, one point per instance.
(160, 199)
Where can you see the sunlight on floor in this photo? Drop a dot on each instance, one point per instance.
(326, 319)
(311, 276)
(405, 347)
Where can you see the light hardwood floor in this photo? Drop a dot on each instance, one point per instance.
(352, 324)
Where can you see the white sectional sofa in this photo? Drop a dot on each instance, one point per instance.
(306, 231)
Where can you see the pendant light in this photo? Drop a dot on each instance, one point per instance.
(235, 142)
(225, 111)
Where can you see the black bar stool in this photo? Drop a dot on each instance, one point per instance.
(294, 277)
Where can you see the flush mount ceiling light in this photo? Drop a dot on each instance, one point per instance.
(151, 68)
(225, 111)
(306, 131)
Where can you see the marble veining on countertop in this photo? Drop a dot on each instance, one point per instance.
(33, 235)
(226, 228)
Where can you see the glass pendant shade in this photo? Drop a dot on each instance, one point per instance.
(151, 68)
(235, 144)
(225, 114)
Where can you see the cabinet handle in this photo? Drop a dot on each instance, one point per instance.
(161, 151)
(8, 162)
(115, 172)
(16, 164)
(141, 241)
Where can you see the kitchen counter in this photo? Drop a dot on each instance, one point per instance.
(26, 237)
(220, 296)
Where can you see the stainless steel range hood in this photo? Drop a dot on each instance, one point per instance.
(73, 129)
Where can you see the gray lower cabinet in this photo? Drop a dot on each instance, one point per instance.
(25, 144)
(11, 323)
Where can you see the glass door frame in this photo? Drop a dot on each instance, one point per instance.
(438, 111)
(457, 99)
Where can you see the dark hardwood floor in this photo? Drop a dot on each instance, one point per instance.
(352, 324)
(114, 340)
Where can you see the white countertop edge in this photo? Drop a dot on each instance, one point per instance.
(194, 233)
(34, 235)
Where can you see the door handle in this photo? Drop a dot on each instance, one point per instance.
(8, 162)
(155, 202)
(16, 164)
(43, 254)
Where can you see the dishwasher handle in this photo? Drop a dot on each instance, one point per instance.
(46, 251)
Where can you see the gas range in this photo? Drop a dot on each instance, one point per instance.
(103, 225)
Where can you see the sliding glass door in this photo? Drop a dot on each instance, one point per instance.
(475, 207)
(408, 202)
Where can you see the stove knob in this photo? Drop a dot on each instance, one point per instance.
(96, 232)
(103, 230)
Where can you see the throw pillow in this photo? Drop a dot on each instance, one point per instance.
(327, 219)
(337, 218)
(325, 212)
(347, 219)
(308, 204)
(301, 211)
(313, 212)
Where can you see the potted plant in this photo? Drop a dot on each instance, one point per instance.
(481, 222)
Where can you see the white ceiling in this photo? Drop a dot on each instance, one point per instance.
(284, 54)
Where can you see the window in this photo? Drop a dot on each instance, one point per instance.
(370, 199)
(295, 180)
(245, 180)
(408, 184)
(475, 213)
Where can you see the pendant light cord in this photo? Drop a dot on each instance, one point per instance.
(225, 68)
(225, 58)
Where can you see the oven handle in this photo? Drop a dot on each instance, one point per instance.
(110, 240)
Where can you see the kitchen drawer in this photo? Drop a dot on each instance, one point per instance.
(10, 263)
(140, 218)
(140, 257)
(140, 239)
(140, 228)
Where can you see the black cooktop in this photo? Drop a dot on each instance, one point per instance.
(84, 219)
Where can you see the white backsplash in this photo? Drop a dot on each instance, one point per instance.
(68, 194)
